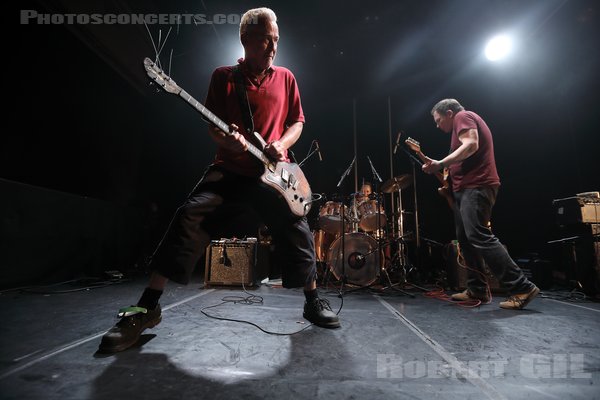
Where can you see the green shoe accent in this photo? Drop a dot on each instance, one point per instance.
(129, 311)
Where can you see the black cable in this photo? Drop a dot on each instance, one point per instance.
(39, 289)
(251, 299)
(248, 322)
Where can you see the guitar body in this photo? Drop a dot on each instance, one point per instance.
(446, 193)
(446, 190)
(287, 179)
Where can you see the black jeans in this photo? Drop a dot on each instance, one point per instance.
(217, 193)
(472, 212)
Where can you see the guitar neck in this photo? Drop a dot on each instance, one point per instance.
(255, 151)
(438, 175)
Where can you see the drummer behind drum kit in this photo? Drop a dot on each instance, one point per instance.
(366, 245)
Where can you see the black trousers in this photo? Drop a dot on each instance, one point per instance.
(472, 212)
(218, 191)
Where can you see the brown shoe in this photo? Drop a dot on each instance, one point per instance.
(467, 295)
(519, 301)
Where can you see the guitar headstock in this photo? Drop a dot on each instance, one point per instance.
(413, 144)
(159, 76)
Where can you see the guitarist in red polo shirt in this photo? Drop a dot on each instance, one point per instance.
(271, 94)
(475, 184)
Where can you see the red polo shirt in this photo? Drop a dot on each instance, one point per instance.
(480, 168)
(275, 105)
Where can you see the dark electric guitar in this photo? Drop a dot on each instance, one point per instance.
(444, 190)
(286, 179)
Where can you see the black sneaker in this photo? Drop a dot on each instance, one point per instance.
(318, 311)
(134, 320)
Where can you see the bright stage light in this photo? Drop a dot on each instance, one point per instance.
(498, 47)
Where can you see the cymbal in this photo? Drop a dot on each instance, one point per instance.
(397, 183)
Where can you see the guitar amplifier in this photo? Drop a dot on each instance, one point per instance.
(577, 209)
(233, 262)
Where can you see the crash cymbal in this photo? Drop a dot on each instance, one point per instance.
(397, 183)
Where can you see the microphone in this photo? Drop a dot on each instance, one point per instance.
(224, 259)
(397, 142)
(375, 174)
(318, 150)
(292, 156)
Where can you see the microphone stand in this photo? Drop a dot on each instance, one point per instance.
(342, 223)
(309, 155)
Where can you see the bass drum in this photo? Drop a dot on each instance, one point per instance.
(362, 261)
(323, 241)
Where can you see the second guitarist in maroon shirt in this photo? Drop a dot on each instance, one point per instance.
(475, 184)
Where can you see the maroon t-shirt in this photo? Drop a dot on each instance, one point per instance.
(275, 105)
(480, 168)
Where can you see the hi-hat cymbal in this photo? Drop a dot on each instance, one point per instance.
(397, 183)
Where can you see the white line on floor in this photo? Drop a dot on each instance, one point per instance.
(574, 305)
(454, 363)
(79, 342)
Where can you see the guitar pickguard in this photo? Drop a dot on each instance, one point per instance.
(289, 181)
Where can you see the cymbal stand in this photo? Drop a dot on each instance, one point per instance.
(400, 230)
(415, 161)
(400, 259)
(384, 276)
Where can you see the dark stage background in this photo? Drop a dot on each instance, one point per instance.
(89, 128)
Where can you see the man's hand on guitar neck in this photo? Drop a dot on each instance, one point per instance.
(432, 166)
(236, 142)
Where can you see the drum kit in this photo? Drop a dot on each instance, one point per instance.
(353, 241)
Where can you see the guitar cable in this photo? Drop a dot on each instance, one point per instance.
(250, 299)
(440, 294)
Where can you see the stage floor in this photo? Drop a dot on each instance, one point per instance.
(390, 346)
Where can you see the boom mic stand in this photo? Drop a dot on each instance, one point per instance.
(344, 278)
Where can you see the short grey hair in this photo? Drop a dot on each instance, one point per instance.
(447, 104)
(253, 16)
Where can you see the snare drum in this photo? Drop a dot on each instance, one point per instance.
(370, 216)
(330, 217)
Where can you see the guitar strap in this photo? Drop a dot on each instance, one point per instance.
(240, 89)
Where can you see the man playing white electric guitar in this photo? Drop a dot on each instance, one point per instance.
(272, 97)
